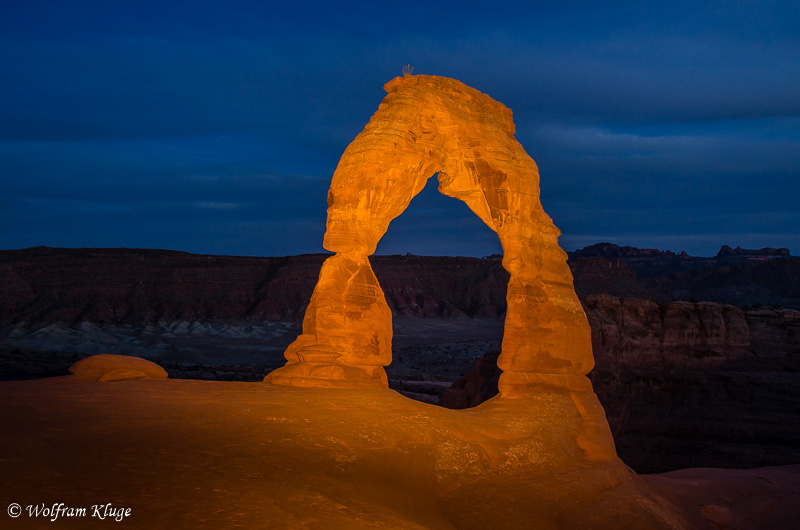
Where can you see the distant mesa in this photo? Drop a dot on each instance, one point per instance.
(612, 251)
(739, 251)
(105, 367)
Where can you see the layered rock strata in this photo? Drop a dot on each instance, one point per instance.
(685, 384)
(140, 286)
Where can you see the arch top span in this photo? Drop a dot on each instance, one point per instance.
(427, 125)
(472, 98)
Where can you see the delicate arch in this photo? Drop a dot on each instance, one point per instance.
(425, 125)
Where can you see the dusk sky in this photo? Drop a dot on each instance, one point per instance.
(215, 127)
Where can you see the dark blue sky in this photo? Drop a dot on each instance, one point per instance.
(215, 127)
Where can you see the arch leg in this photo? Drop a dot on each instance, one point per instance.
(347, 330)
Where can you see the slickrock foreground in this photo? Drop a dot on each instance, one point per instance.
(199, 454)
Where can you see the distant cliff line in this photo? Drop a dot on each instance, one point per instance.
(143, 285)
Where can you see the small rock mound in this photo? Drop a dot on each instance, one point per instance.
(106, 367)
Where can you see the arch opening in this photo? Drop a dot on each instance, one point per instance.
(447, 301)
(437, 225)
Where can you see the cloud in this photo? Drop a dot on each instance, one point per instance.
(724, 164)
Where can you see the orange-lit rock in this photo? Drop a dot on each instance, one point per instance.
(428, 125)
(219, 455)
(347, 330)
(106, 367)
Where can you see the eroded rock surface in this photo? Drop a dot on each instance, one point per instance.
(428, 125)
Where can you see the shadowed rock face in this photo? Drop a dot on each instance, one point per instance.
(429, 125)
(685, 384)
(142, 286)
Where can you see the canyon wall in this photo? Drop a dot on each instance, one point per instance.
(146, 286)
(686, 384)
(697, 384)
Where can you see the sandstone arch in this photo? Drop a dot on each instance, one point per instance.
(425, 125)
